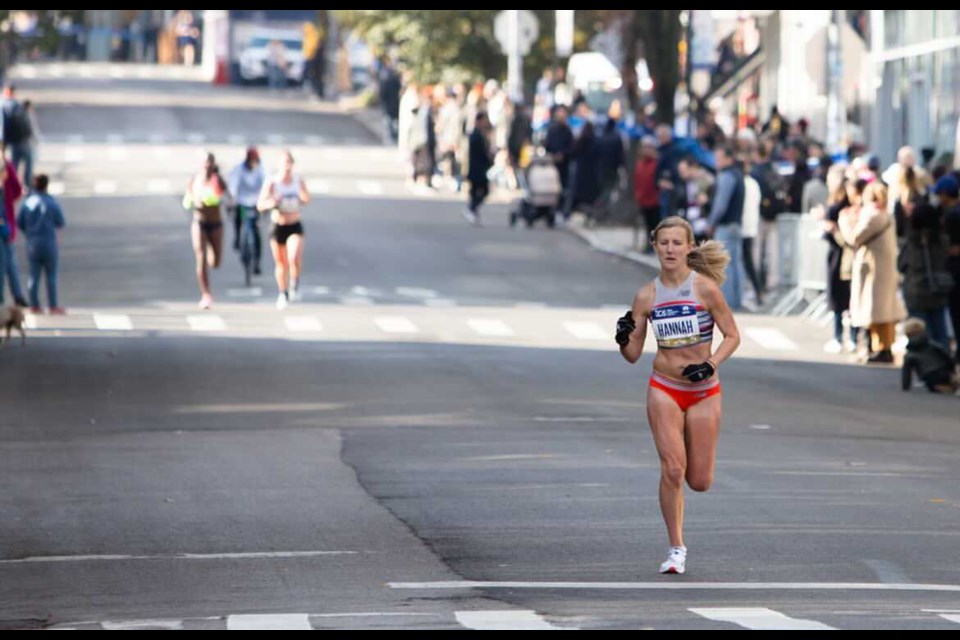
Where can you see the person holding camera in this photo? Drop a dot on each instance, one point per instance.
(682, 306)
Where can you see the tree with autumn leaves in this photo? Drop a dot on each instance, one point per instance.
(448, 45)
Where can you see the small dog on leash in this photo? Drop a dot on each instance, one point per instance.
(12, 318)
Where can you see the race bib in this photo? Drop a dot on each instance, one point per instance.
(676, 326)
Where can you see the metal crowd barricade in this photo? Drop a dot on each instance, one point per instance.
(802, 265)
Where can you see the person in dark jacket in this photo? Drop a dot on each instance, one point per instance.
(612, 160)
(947, 190)
(586, 181)
(481, 160)
(559, 144)
(930, 360)
(923, 263)
(390, 88)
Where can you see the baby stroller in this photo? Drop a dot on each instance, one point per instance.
(541, 189)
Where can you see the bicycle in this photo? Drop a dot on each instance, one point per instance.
(250, 243)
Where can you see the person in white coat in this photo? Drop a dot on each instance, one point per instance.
(751, 229)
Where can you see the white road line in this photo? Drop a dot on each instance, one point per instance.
(237, 140)
(56, 72)
(369, 188)
(30, 322)
(363, 292)
(57, 188)
(196, 138)
(76, 138)
(356, 301)
(503, 621)
(118, 74)
(678, 586)
(440, 302)
(276, 140)
(138, 625)
(105, 187)
(413, 292)
(106, 322)
(771, 339)
(206, 323)
(321, 291)
(949, 616)
(86, 72)
(303, 324)
(73, 156)
(316, 141)
(491, 328)
(29, 73)
(318, 187)
(157, 138)
(117, 154)
(396, 325)
(115, 138)
(296, 622)
(289, 555)
(162, 153)
(760, 619)
(586, 331)
(159, 185)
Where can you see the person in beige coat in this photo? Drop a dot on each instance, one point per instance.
(874, 304)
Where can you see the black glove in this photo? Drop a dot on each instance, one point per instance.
(625, 326)
(697, 373)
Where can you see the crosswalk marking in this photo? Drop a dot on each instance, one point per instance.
(115, 138)
(295, 622)
(73, 156)
(315, 141)
(951, 617)
(206, 323)
(369, 188)
(106, 322)
(491, 328)
(760, 619)
(117, 154)
(237, 139)
(140, 625)
(276, 140)
(413, 292)
(503, 621)
(157, 138)
(772, 339)
(396, 325)
(76, 138)
(303, 324)
(586, 330)
(196, 138)
(356, 301)
(57, 188)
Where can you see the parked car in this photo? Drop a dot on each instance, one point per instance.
(254, 57)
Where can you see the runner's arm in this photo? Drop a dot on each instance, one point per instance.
(717, 305)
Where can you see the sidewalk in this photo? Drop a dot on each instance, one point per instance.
(615, 241)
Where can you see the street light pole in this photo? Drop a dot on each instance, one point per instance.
(515, 64)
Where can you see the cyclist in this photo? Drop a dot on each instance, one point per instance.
(245, 183)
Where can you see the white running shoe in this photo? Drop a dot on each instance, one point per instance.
(470, 217)
(676, 563)
(295, 295)
(283, 301)
(833, 347)
(206, 302)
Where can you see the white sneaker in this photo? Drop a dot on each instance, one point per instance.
(283, 301)
(295, 295)
(833, 347)
(851, 346)
(470, 217)
(676, 563)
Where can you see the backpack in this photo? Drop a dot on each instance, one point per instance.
(16, 124)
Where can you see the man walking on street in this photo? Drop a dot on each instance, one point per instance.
(16, 131)
(726, 220)
(480, 163)
(40, 219)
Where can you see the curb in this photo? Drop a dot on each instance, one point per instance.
(631, 256)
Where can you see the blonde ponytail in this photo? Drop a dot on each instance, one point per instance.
(710, 260)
